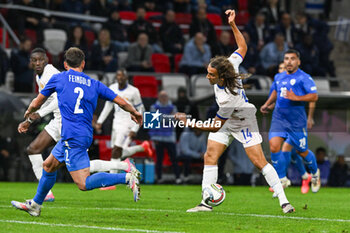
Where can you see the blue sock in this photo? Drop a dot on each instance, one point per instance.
(287, 157)
(46, 183)
(298, 163)
(311, 163)
(279, 163)
(103, 179)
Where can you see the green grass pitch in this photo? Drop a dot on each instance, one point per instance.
(162, 208)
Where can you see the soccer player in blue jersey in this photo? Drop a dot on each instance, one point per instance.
(291, 90)
(77, 97)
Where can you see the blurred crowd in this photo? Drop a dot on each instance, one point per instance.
(269, 27)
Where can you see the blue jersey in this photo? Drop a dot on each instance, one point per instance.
(77, 96)
(292, 113)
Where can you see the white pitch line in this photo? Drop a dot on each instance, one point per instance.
(183, 211)
(80, 226)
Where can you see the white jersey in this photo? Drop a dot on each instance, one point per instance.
(233, 107)
(51, 104)
(132, 96)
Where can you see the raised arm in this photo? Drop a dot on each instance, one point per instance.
(242, 45)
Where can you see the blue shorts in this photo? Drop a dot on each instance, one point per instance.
(295, 137)
(73, 152)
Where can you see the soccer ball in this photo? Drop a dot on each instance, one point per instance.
(213, 195)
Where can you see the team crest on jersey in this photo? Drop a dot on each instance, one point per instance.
(41, 86)
(292, 81)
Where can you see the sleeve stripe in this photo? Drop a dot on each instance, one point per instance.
(222, 118)
(239, 54)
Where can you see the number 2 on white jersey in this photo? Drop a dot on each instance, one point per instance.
(78, 110)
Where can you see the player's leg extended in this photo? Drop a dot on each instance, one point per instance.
(277, 158)
(310, 161)
(257, 157)
(210, 171)
(48, 179)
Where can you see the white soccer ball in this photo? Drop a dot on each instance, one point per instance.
(213, 195)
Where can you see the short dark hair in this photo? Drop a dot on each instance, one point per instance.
(321, 149)
(296, 52)
(38, 50)
(124, 72)
(74, 57)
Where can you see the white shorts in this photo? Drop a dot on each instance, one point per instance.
(54, 129)
(120, 136)
(246, 132)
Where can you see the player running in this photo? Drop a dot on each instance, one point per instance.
(77, 97)
(291, 90)
(52, 132)
(294, 157)
(124, 129)
(237, 118)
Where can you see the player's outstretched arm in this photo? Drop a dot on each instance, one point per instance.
(35, 104)
(135, 115)
(242, 45)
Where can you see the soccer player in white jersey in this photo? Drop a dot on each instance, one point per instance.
(124, 129)
(52, 132)
(237, 120)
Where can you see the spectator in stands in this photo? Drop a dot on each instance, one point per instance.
(118, 31)
(100, 8)
(272, 54)
(104, 53)
(4, 158)
(303, 25)
(286, 27)
(141, 25)
(139, 55)
(323, 164)
(309, 56)
(196, 56)
(192, 146)
(183, 104)
(339, 172)
(122, 5)
(224, 48)
(164, 138)
(171, 34)
(76, 38)
(259, 31)
(75, 6)
(4, 66)
(21, 66)
(200, 23)
(272, 12)
(182, 6)
(209, 5)
(251, 59)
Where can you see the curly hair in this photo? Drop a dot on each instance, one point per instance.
(227, 73)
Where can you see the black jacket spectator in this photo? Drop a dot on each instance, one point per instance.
(104, 54)
(171, 34)
(201, 24)
(139, 55)
(141, 25)
(338, 175)
(76, 38)
(20, 65)
(259, 31)
(251, 59)
(100, 8)
(223, 47)
(116, 28)
(287, 28)
(4, 66)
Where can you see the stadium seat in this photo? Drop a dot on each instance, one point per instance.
(201, 87)
(31, 34)
(147, 85)
(7, 38)
(55, 40)
(154, 16)
(215, 19)
(90, 37)
(127, 15)
(177, 60)
(161, 63)
(183, 18)
(122, 57)
(92, 75)
(170, 83)
(322, 85)
(242, 18)
(109, 78)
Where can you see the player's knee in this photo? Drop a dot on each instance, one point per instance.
(274, 148)
(81, 186)
(47, 166)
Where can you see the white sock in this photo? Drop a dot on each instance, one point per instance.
(305, 176)
(210, 175)
(98, 165)
(272, 179)
(118, 165)
(37, 164)
(129, 151)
